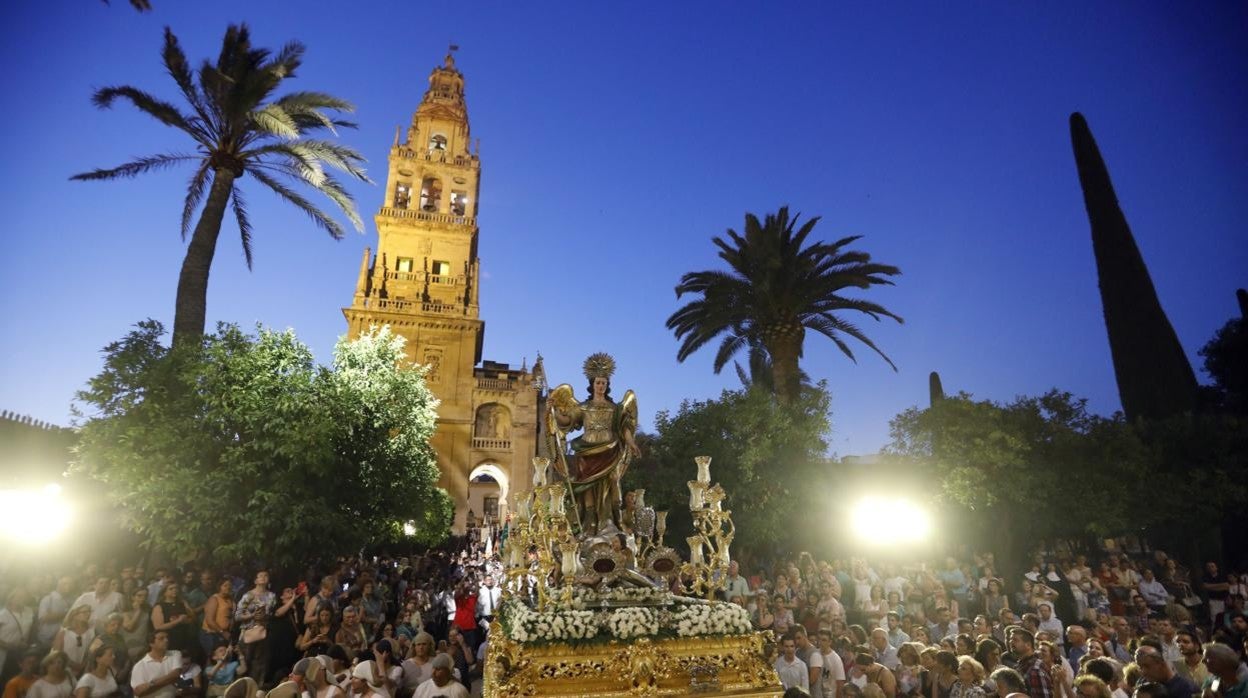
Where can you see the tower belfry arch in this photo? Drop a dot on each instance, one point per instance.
(423, 280)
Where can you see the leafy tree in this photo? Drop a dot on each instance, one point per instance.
(1226, 361)
(1155, 379)
(238, 129)
(766, 457)
(244, 449)
(776, 288)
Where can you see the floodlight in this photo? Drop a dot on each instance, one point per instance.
(884, 520)
(34, 517)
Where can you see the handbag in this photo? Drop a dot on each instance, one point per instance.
(255, 633)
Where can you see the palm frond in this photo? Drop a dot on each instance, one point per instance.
(244, 223)
(323, 220)
(180, 70)
(274, 120)
(136, 167)
(194, 194)
(160, 110)
(727, 349)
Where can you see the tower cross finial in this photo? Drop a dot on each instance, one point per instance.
(450, 59)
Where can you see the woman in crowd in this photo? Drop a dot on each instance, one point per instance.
(784, 616)
(218, 617)
(1063, 677)
(970, 683)
(316, 638)
(372, 608)
(963, 644)
(921, 635)
(74, 639)
(135, 625)
(910, 673)
(994, 598)
(113, 637)
(225, 666)
(283, 632)
(875, 602)
(99, 681)
(172, 615)
(988, 654)
(55, 681)
(763, 617)
(462, 655)
(941, 674)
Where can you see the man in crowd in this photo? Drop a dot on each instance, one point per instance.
(155, 674)
(1165, 632)
(1191, 665)
(1154, 667)
(833, 667)
(1120, 640)
(793, 671)
(1008, 682)
(440, 685)
(1077, 643)
(16, 621)
(1216, 588)
(1140, 616)
(944, 626)
(1037, 677)
(896, 635)
(488, 597)
(883, 652)
(52, 609)
(102, 602)
(1154, 594)
(28, 673)
(808, 653)
(734, 584)
(1225, 679)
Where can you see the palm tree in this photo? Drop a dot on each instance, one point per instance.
(775, 290)
(237, 131)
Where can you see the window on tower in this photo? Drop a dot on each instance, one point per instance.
(459, 202)
(404, 265)
(430, 194)
(437, 142)
(402, 195)
(440, 268)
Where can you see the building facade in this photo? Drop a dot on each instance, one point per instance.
(423, 281)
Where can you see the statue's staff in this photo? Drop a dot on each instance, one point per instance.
(555, 442)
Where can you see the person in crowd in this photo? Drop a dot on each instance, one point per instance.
(809, 653)
(416, 667)
(441, 684)
(896, 636)
(156, 673)
(372, 608)
(27, 674)
(882, 650)
(466, 612)
(988, 654)
(764, 619)
(1076, 643)
(1140, 616)
(1153, 592)
(339, 667)
(101, 599)
(1155, 668)
(909, 672)
(172, 615)
(1190, 664)
(1009, 683)
(1226, 677)
(944, 626)
(75, 638)
(98, 681)
(793, 672)
(865, 671)
(113, 637)
(1049, 622)
(1109, 672)
(136, 626)
(1088, 686)
(1037, 676)
(318, 635)
(317, 684)
(970, 679)
(833, 677)
(218, 622)
(52, 609)
(55, 681)
(1063, 676)
(323, 600)
(388, 672)
(783, 614)
(16, 627)
(364, 681)
(252, 616)
(283, 631)
(351, 635)
(1216, 588)
(224, 666)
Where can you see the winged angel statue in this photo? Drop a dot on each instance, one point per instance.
(595, 461)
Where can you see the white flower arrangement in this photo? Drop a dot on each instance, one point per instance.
(528, 625)
(633, 621)
(711, 619)
(582, 596)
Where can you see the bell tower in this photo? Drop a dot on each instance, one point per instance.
(424, 282)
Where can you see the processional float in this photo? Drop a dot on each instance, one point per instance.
(594, 602)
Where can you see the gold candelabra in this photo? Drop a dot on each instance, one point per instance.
(709, 556)
(542, 524)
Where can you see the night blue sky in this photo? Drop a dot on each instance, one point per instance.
(617, 138)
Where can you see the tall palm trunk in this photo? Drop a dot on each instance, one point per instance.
(785, 346)
(191, 306)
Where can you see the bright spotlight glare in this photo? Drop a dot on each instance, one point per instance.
(409, 529)
(881, 520)
(33, 517)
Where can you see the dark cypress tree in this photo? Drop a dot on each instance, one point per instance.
(1155, 378)
(935, 391)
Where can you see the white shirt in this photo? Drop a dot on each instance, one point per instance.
(793, 673)
(101, 606)
(148, 670)
(452, 689)
(815, 661)
(487, 600)
(97, 687)
(833, 671)
(14, 628)
(43, 689)
(415, 674)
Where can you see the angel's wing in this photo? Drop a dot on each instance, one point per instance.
(562, 399)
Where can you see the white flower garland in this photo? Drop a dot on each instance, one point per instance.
(633, 621)
(711, 619)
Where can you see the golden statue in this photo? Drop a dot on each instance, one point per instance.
(601, 454)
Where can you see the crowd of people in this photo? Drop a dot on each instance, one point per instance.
(417, 627)
(377, 628)
(1069, 628)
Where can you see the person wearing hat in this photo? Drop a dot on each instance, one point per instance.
(417, 668)
(364, 681)
(317, 681)
(441, 683)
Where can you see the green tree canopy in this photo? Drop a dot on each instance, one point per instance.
(764, 454)
(246, 450)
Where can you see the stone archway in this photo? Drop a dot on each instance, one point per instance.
(482, 480)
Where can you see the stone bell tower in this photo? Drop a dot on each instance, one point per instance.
(424, 282)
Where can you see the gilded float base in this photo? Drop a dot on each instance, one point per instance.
(702, 666)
